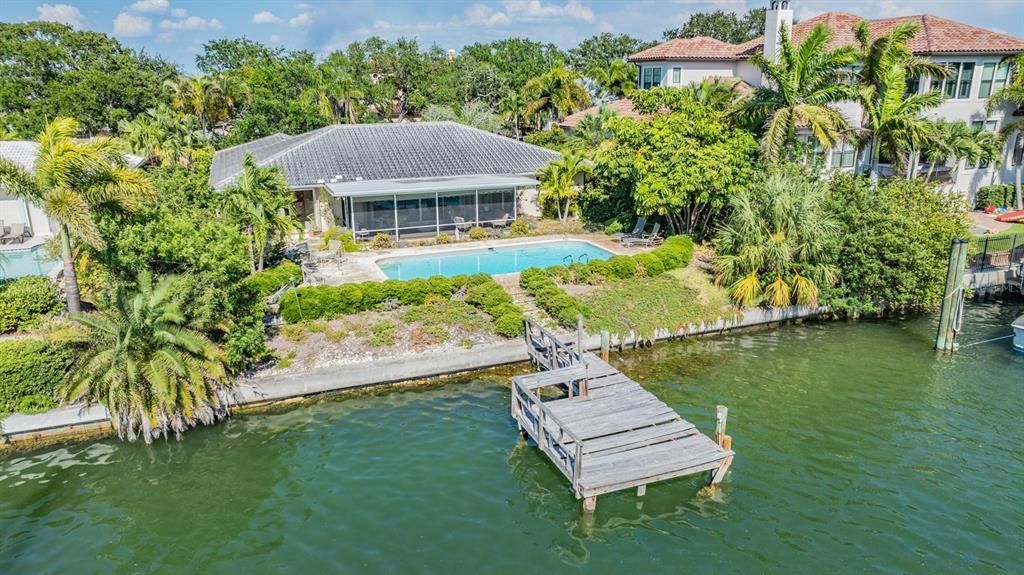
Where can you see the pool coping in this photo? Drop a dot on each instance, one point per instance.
(72, 421)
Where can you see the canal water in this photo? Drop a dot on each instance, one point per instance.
(859, 451)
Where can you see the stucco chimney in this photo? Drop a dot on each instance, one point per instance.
(778, 18)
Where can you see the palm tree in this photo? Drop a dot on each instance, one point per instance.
(774, 246)
(593, 130)
(616, 79)
(1012, 95)
(161, 135)
(554, 94)
(262, 205)
(719, 94)
(511, 108)
(70, 181)
(955, 141)
(800, 87)
(152, 372)
(893, 122)
(558, 181)
(211, 99)
(336, 93)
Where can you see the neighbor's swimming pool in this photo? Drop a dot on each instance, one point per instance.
(502, 260)
(26, 262)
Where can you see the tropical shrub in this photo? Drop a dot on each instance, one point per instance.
(999, 195)
(895, 240)
(509, 325)
(552, 299)
(26, 300)
(520, 227)
(443, 238)
(775, 245)
(30, 371)
(272, 279)
(477, 233)
(382, 241)
(346, 237)
(674, 252)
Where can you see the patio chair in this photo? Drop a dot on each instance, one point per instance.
(461, 225)
(638, 230)
(645, 240)
(16, 234)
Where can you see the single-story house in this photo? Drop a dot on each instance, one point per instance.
(406, 179)
(15, 210)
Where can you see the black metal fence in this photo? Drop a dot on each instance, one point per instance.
(996, 252)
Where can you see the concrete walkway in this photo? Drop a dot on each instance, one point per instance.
(73, 420)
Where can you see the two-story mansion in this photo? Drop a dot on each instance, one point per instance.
(975, 55)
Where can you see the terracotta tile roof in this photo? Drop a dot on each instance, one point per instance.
(700, 48)
(623, 107)
(935, 35)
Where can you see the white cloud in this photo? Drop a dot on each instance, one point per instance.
(275, 39)
(131, 25)
(385, 26)
(191, 23)
(151, 6)
(483, 15)
(179, 12)
(62, 13)
(534, 10)
(302, 20)
(265, 17)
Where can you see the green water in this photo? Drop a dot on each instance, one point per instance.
(859, 451)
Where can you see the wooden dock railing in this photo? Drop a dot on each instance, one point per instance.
(546, 350)
(550, 434)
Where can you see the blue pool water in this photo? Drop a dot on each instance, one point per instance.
(25, 262)
(502, 260)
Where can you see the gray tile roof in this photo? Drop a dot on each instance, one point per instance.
(349, 152)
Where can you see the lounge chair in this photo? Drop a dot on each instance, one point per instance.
(17, 234)
(461, 225)
(645, 240)
(638, 230)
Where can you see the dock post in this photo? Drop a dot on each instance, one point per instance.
(589, 504)
(952, 297)
(606, 345)
(641, 490)
(721, 419)
(579, 337)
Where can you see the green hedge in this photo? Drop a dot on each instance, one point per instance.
(495, 301)
(551, 298)
(26, 300)
(328, 302)
(30, 371)
(999, 195)
(272, 279)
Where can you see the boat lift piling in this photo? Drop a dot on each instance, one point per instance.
(953, 298)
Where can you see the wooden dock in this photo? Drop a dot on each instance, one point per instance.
(604, 431)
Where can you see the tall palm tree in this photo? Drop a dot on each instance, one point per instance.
(594, 130)
(554, 94)
(211, 99)
(511, 107)
(616, 79)
(1012, 96)
(161, 135)
(774, 246)
(893, 122)
(558, 181)
(152, 372)
(801, 85)
(70, 181)
(263, 206)
(337, 93)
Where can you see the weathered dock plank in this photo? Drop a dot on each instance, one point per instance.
(608, 433)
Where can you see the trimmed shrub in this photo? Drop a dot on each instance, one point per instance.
(552, 299)
(649, 265)
(520, 227)
(675, 252)
(621, 267)
(443, 238)
(272, 279)
(509, 325)
(999, 195)
(382, 241)
(25, 301)
(30, 371)
(477, 233)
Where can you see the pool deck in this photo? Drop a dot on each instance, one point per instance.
(362, 266)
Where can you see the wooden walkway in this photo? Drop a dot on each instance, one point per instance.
(603, 430)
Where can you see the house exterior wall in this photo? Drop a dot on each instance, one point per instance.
(689, 71)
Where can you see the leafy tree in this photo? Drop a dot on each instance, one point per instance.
(802, 84)
(894, 244)
(725, 26)
(338, 95)
(553, 138)
(1012, 95)
(224, 55)
(161, 136)
(516, 59)
(475, 114)
(559, 181)
(615, 79)
(683, 166)
(602, 50)
(554, 94)
(262, 205)
(49, 70)
(775, 245)
(153, 372)
(72, 181)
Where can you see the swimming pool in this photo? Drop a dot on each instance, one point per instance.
(493, 261)
(26, 262)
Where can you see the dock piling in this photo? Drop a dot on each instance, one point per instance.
(606, 345)
(952, 297)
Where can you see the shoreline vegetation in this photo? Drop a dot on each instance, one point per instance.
(167, 280)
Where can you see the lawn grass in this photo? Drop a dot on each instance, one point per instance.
(670, 301)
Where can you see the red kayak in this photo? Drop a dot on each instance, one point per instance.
(1011, 216)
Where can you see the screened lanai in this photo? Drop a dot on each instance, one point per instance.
(417, 207)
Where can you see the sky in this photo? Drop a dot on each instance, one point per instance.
(177, 29)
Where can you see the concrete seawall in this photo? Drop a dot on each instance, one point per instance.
(71, 421)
